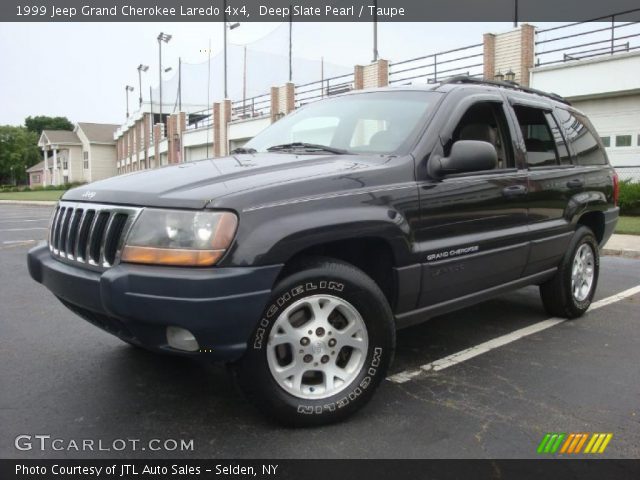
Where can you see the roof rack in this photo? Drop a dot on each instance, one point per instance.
(509, 85)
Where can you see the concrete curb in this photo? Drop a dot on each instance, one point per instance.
(620, 253)
(28, 202)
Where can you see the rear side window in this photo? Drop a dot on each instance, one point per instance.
(582, 140)
(538, 138)
(558, 138)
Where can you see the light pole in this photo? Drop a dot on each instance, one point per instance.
(375, 31)
(163, 37)
(127, 89)
(141, 68)
(224, 28)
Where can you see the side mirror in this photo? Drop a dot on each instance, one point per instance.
(469, 156)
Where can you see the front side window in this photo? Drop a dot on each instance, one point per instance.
(486, 122)
(375, 122)
(538, 137)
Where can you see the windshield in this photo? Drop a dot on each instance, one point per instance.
(376, 122)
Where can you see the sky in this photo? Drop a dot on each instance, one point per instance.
(79, 70)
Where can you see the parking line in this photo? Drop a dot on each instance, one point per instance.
(22, 229)
(21, 220)
(485, 347)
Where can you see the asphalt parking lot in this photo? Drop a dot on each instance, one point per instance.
(61, 376)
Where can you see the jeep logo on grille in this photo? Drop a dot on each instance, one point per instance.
(89, 194)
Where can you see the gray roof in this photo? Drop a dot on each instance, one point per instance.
(38, 167)
(98, 132)
(61, 136)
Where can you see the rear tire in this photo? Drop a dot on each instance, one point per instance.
(570, 292)
(322, 346)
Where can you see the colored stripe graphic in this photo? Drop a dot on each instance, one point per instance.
(572, 443)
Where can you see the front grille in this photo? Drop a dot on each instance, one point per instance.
(90, 234)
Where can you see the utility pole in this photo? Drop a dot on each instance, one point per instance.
(179, 84)
(290, 43)
(141, 68)
(163, 37)
(375, 31)
(127, 89)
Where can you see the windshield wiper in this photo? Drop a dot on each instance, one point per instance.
(309, 147)
(241, 150)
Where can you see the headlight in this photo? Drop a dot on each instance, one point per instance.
(175, 237)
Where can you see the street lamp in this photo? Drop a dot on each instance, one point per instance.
(127, 89)
(162, 37)
(141, 68)
(226, 26)
(499, 76)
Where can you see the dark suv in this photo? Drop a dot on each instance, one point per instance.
(296, 258)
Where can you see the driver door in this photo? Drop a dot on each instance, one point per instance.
(473, 227)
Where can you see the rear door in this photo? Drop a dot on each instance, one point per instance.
(553, 180)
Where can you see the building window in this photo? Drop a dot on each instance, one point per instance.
(606, 141)
(623, 140)
(85, 157)
(36, 179)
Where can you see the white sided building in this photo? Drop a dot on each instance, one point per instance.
(86, 154)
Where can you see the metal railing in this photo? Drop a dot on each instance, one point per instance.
(440, 66)
(251, 107)
(314, 91)
(588, 39)
(200, 119)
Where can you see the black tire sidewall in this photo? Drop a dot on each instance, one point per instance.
(362, 293)
(583, 236)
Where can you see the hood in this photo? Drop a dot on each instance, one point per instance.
(225, 182)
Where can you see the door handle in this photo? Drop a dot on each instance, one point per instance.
(514, 190)
(575, 183)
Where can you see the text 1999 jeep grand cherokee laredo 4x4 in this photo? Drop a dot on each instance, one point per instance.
(296, 258)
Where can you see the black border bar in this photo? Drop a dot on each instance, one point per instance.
(314, 10)
(566, 469)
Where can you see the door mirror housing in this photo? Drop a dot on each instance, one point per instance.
(469, 156)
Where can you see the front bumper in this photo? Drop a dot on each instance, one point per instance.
(219, 306)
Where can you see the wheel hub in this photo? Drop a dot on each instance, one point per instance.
(317, 346)
(582, 272)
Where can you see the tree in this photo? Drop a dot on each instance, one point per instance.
(42, 122)
(18, 151)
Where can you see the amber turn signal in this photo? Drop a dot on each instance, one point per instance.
(171, 256)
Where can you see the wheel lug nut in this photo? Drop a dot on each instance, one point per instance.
(332, 342)
(307, 358)
(320, 332)
(324, 359)
(304, 341)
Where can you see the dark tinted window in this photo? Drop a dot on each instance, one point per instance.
(538, 138)
(558, 138)
(623, 140)
(583, 142)
(606, 141)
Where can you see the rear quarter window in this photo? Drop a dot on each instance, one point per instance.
(581, 136)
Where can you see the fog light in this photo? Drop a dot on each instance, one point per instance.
(182, 339)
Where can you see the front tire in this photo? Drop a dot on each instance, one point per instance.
(323, 345)
(570, 292)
